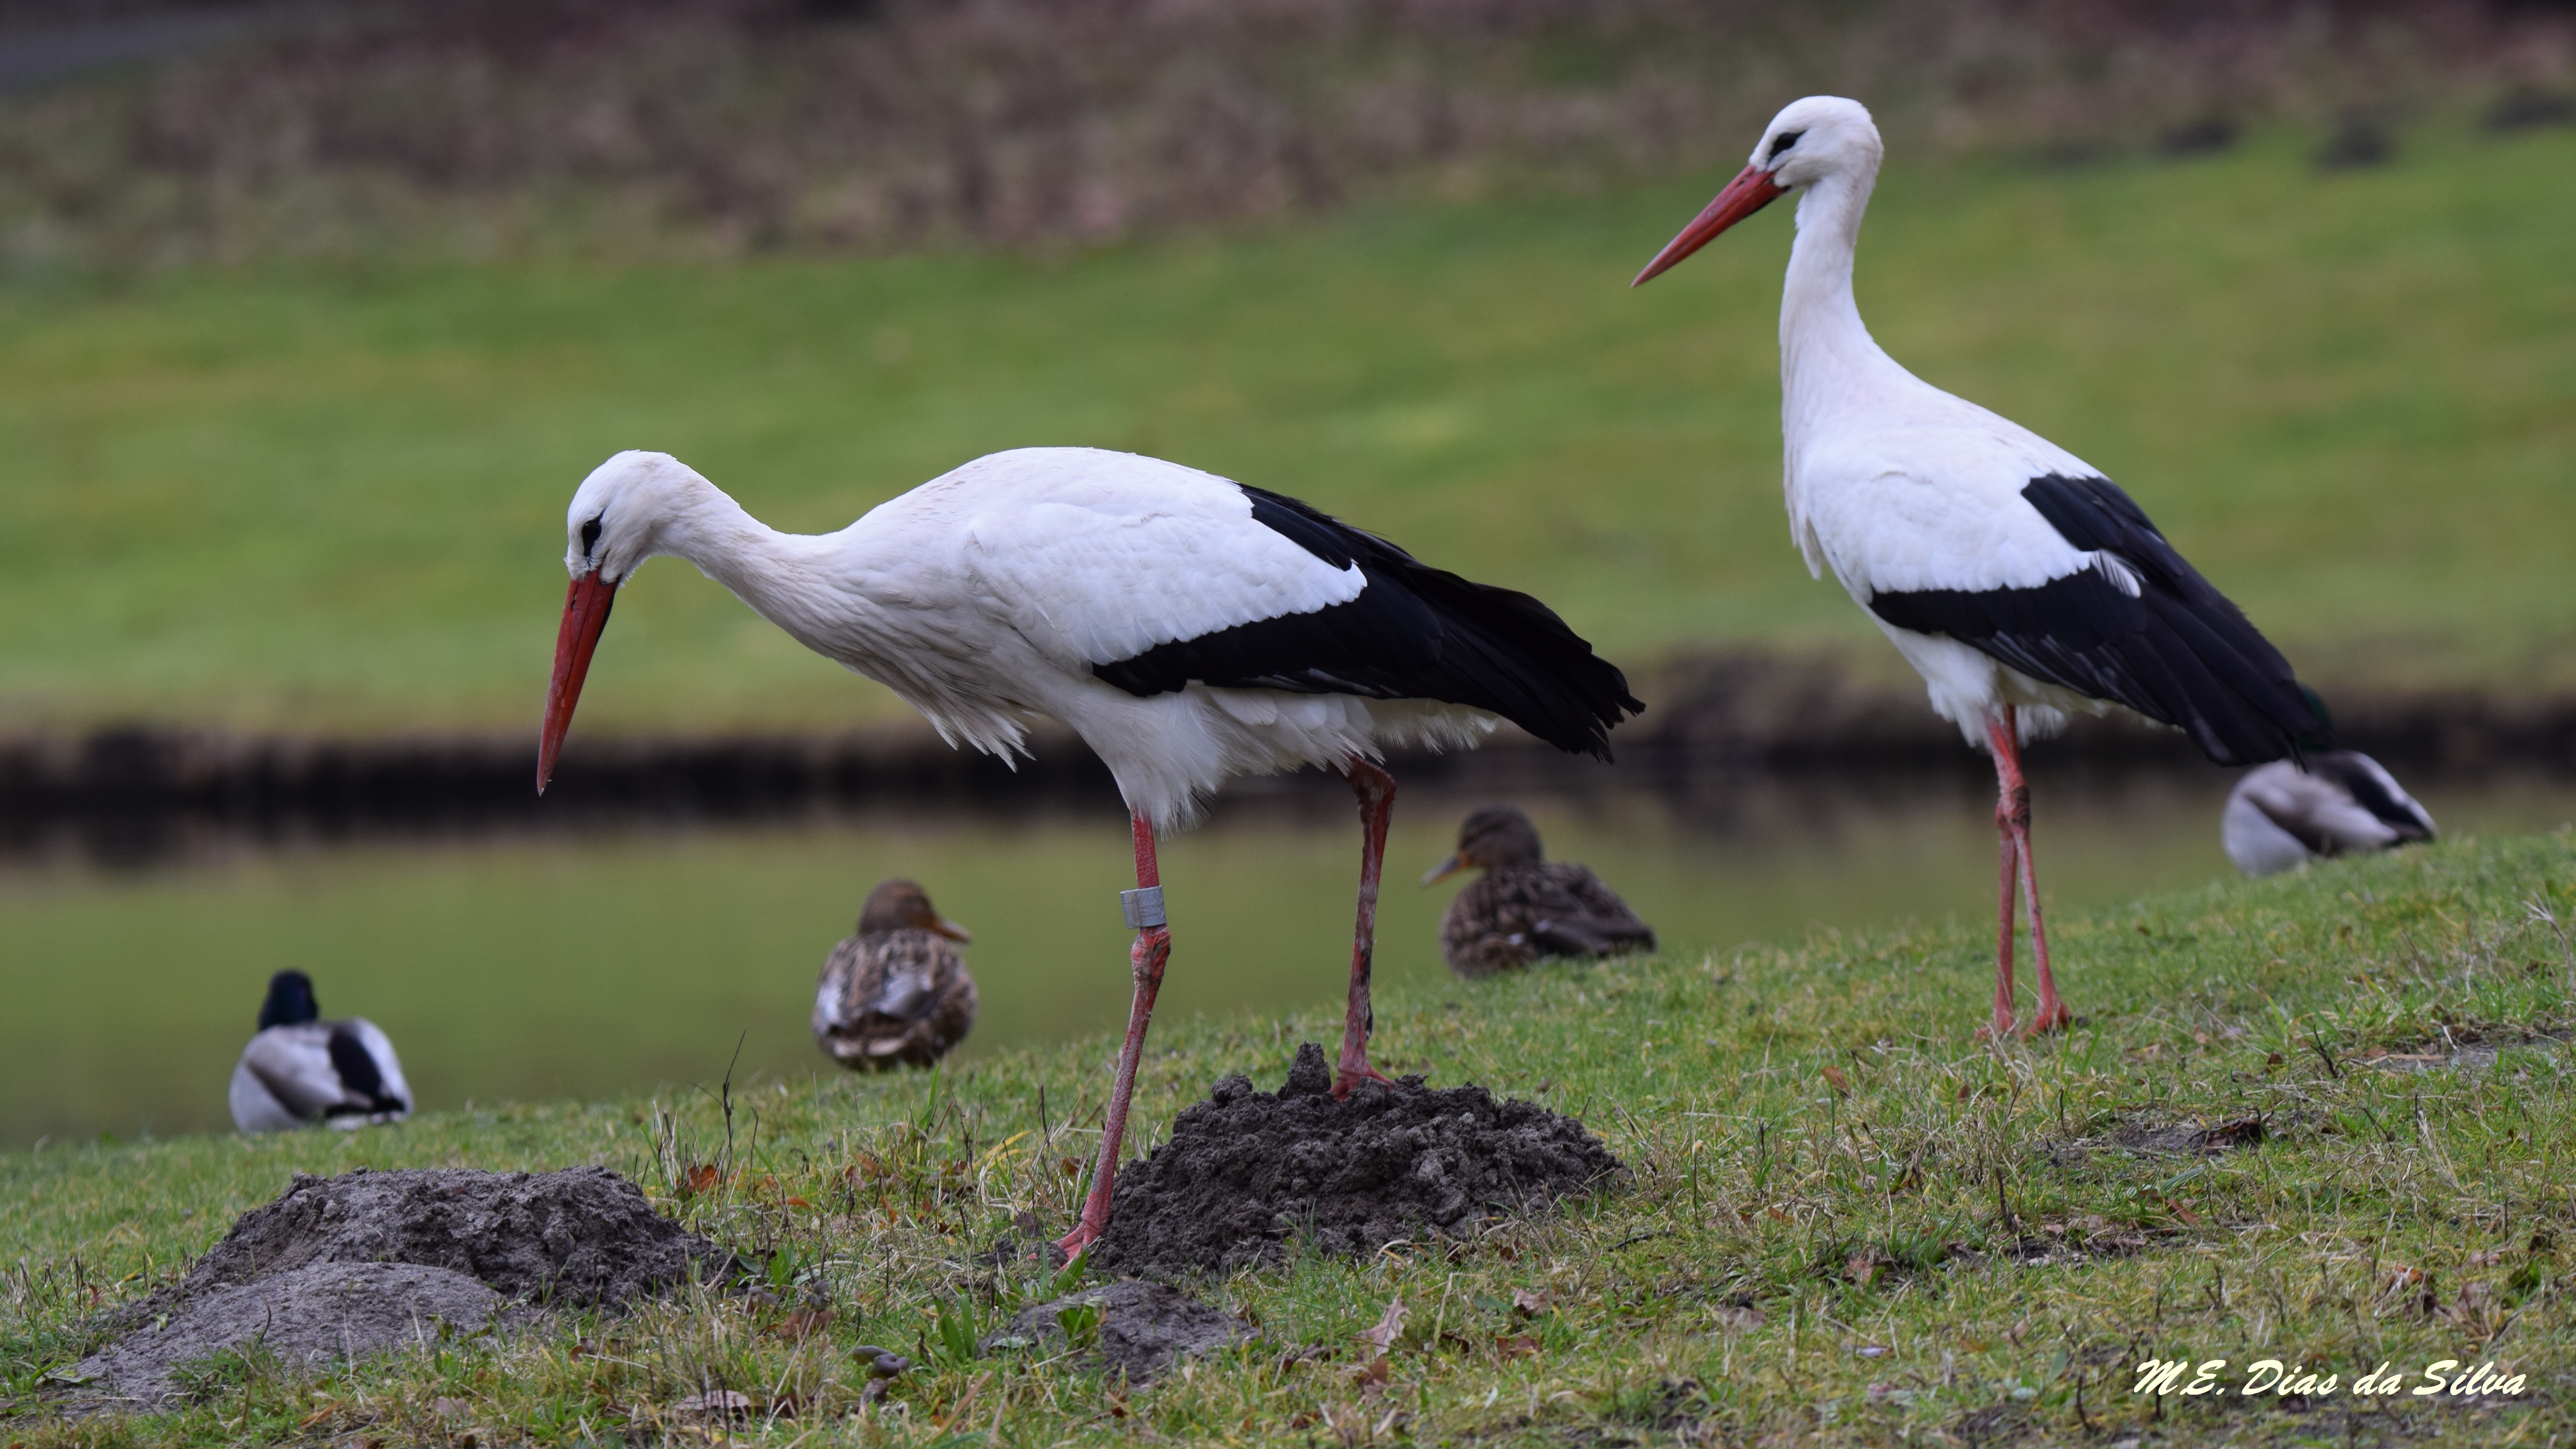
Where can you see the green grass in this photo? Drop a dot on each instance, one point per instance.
(330, 500)
(1845, 1222)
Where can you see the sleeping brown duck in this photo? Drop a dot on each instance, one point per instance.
(897, 993)
(1526, 907)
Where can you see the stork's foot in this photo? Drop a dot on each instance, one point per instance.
(1074, 1244)
(2051, 1016)
(1999, 1029)
(1348, 1079)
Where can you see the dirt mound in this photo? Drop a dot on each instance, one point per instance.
(355, 1265)
(299, 1318)
(581, 1236)
(1143, 1327)
(1245, 1171)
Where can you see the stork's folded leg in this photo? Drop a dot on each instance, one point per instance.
(1376, 791)
(1153, 947)
(2002, 1023)
(2052, 1014)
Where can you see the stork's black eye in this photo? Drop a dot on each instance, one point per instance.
(1782, 142)
(589, 537)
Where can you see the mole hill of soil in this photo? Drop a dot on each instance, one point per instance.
(359, 1264)
(1245, 1171)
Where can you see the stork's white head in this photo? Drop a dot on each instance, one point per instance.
(1810, 142)
(621, 510)
(618, 519)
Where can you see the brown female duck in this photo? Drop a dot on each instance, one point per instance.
(1526, 907)
(897, 993)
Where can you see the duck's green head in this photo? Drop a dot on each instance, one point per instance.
(290, 1001)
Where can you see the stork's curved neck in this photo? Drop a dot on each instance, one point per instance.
(1827, 356)
(773, 572)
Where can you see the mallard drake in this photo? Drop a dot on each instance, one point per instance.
(300, 1069)
(897, 993)
(2342, 803)
(1526, 907)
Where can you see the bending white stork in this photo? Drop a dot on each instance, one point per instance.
(1187, 627)
(2338, 803)
(2014, 577)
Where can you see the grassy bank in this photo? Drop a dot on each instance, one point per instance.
(1845, 1221)
(332, 500)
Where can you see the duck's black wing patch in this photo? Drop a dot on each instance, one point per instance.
(2360, 777)
(1414, 632)
(2175, 651)
(359, 1075)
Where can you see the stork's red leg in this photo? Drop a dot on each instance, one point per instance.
(2052, 1014)
(1146, 957)
(2003, 740)
(1376, 791)
(2007, 781)
(2012, 823)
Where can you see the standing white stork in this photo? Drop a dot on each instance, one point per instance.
(2015, 578)
(1187, 627)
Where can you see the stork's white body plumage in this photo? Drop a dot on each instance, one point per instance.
(2016, 578)
(987, 596)
(1187, 627)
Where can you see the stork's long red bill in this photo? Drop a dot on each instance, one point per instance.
(586, 607)
(1750, 191)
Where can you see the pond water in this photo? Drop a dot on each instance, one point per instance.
(622, 960)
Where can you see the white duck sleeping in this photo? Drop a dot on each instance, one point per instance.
(2338, 802)
(301, 1069)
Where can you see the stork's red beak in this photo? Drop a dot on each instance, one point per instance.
(586, 608)
(1749, 192)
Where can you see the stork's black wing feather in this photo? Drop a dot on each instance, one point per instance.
(1414, 632)
(2175, 651)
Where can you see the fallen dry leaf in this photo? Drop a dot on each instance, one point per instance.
(1390, 1326)
(447, 1408)
(1517, 1346)
(803, 1323)
(700, 1178)
(1863, 1267)
(713, 1404)
(1834, 1077)
(1742, 1317)
(1532, 1304)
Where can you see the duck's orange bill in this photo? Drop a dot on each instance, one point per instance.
(585, 614)
(1750, 191)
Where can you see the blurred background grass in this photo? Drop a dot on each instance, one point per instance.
(306, 334)
(327, 498)
(311, 317)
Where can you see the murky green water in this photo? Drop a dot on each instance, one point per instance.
(609, 963)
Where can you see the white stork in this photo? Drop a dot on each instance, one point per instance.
(1187, 627)
(2015, 578)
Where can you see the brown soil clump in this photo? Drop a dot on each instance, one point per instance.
(582, 1236)
(1143, 1327)
(1245, 1171)
(352, 1266)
